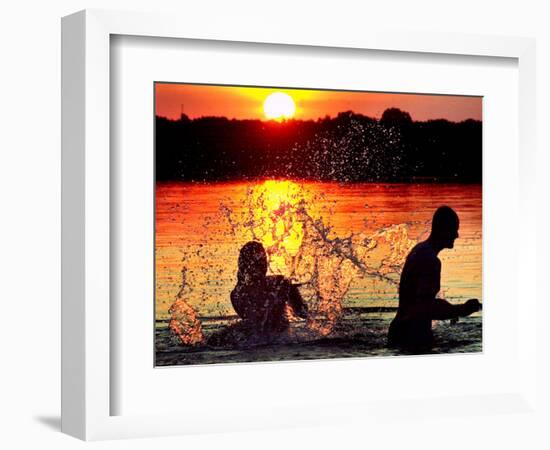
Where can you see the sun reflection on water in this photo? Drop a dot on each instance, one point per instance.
(274, 205)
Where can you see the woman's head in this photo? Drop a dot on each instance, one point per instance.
(252, 262)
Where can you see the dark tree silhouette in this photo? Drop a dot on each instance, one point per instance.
(395, 117)
(349, 147)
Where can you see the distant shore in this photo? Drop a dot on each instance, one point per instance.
(347, 148)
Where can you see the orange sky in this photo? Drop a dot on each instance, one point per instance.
(247, 103)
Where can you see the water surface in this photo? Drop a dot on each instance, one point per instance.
(355, 235)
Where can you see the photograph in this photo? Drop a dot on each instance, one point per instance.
(306, 224)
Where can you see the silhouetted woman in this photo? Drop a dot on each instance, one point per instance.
(261, 300)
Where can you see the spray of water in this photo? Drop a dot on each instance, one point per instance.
(184, 323)
(293, 224)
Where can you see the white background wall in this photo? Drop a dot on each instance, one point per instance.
(30, 219)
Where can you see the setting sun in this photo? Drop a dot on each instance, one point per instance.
(279, 106)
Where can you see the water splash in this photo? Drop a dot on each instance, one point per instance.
(293, 224)
(352, 149)
(184, 323)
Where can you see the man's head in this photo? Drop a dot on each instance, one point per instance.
(445, 225)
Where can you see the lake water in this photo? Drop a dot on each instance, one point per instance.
(344, 243)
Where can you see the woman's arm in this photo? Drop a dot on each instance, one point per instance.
(296, 302)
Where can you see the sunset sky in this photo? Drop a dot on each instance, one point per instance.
(248, 103)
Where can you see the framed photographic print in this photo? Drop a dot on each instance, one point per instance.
(296, 224)
(250, 221)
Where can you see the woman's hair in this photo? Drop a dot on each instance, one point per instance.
(252, 261)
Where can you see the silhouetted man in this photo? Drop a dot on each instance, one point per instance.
(411, 329)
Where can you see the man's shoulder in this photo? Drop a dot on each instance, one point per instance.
(424, 252)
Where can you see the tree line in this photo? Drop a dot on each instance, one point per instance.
(347, 148)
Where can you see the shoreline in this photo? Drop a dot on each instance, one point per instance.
(355, 336)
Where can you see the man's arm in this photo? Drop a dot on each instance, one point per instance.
(429, 306)
(443, 310)
(440, 309)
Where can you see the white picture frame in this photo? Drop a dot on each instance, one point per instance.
(87, 323)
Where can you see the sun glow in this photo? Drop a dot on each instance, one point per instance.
(279, 106)
(276, 215)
